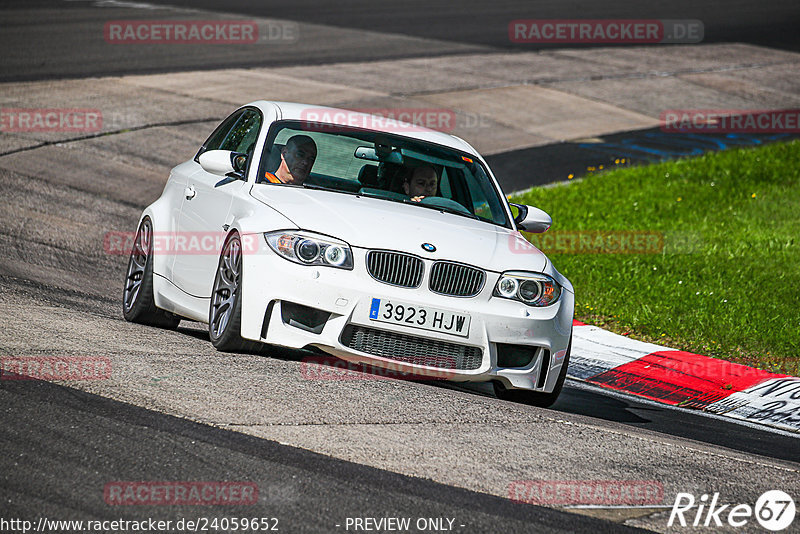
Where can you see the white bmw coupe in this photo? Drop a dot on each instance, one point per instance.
(376, 241)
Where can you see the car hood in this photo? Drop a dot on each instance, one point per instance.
(382, 224)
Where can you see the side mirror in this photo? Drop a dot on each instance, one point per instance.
(530, 219)
(224, 163)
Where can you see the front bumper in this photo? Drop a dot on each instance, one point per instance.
(269, 282)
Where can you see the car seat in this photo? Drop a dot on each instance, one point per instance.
(273, 160)
(368, 176)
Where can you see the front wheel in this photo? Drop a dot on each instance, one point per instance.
(225, 312)
(138, 303)
(535, 398)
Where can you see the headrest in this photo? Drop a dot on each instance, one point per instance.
(368, 175)
(274, 159)
(396, 175)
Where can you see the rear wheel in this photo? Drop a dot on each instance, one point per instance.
(536, 398)
(225, 312)
(138, 303)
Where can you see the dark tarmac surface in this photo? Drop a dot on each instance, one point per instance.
(48, 39)
(61, 445)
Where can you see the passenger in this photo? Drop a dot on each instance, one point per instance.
(297, 158)
(423, 182)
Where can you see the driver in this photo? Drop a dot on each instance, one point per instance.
(297, 158)
(423, 182)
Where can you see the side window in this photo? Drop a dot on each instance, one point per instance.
(237, 133)
(242, 137)
(215, 140)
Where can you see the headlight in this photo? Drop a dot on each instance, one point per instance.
(507, 287)
(534, 289)
(335, 255)
(310, 249)
(307, 250)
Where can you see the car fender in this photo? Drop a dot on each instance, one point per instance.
(251, 219)
(163, 213)
(158, 213)
(250, 216)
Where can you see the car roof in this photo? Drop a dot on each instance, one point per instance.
(346, 117)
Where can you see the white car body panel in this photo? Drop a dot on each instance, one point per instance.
(377, 224)
(182, 283)
(207, 211)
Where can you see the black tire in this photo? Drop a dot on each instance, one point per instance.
(535, 398)
(225, 309)
(138, 303)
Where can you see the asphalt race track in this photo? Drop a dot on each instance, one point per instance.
(65, 43)
(45, 428)
(319, 451)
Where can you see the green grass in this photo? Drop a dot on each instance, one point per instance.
(727, 282)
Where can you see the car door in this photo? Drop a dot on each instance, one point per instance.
(204, 216)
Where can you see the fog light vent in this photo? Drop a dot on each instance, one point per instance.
(303, 317)
(515, 355)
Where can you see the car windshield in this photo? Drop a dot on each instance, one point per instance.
(380, 165)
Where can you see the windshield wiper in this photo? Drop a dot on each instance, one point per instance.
(443, 209)
(314, 186)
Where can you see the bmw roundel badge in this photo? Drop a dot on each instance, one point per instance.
(428, 247)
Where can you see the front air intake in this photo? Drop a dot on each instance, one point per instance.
(456, 279)
(395, 268)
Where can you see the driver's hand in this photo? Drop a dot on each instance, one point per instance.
(417, 199)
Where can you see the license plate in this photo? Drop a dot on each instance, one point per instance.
(423, 317)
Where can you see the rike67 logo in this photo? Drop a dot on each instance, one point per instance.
(774, 510)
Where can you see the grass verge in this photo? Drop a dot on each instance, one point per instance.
(700, 254)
